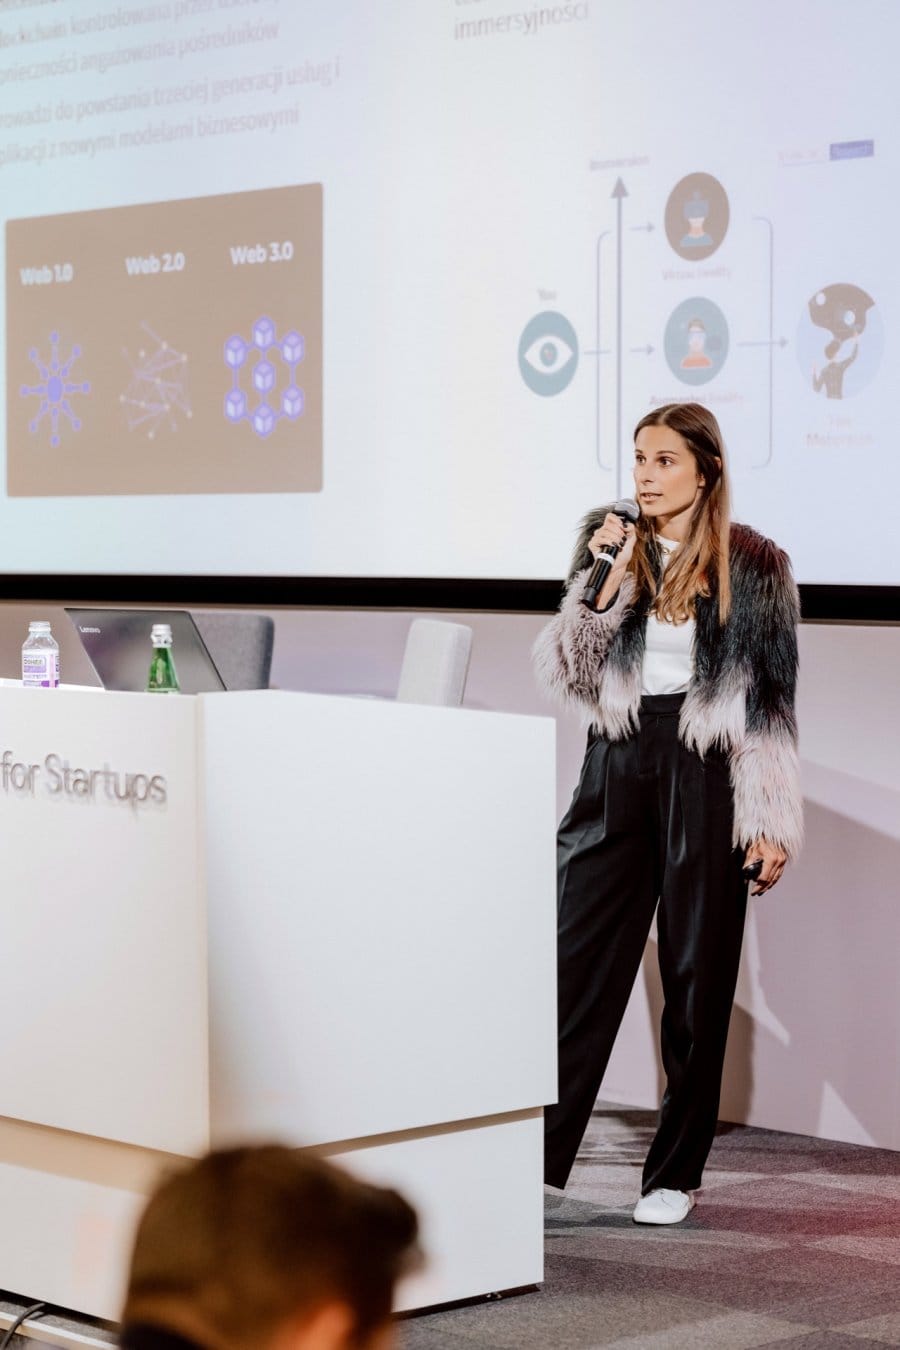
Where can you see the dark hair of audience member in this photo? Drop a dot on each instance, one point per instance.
(248, 1238)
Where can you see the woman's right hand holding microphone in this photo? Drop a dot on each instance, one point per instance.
(619, 533)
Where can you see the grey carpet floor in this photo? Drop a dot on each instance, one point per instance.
(794, 1243)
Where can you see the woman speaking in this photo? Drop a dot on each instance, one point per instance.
(684, 668)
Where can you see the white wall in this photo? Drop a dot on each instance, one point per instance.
(815, 1037)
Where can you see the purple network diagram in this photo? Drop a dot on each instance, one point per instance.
(55, 389)
(264, 407)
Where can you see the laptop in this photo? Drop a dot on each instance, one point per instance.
(117, 643)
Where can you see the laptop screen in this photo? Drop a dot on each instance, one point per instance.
(117, 643)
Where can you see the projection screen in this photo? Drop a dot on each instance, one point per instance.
(328, 288)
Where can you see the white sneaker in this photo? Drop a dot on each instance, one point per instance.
(664, 1206)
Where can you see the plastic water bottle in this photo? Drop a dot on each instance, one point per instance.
(40, 657)
(162, 678)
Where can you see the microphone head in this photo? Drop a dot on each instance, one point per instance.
(627, 509)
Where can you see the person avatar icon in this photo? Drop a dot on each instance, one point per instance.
(696, 210)
(831, 376)
(699, 202)
(696, 358)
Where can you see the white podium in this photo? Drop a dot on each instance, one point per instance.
(252, 916)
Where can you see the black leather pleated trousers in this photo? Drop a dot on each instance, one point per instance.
(650, 823)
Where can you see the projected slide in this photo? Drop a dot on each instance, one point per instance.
(839, 332)
(168, 348)
(338, 288)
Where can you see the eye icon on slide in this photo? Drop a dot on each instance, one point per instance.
(548, 353)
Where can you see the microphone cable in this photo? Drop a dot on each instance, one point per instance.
(22, 1317)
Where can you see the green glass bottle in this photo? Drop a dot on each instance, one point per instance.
(162, 678)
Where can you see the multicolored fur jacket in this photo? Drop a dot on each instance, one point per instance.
(741, 692)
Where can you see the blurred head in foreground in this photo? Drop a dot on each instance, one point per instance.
(267, 1248)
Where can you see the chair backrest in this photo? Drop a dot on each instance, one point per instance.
(435, 663)
(241, 645)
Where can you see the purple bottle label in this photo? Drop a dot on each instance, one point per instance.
(40, 669)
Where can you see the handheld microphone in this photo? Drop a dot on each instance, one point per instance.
(625, 510)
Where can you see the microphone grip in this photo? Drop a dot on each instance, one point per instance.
(598, 574)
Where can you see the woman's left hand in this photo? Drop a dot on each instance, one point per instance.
(774, 860)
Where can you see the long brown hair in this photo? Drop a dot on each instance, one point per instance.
(704, 553)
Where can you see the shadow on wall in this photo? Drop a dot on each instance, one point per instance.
(814, 1041)
(826, 1035)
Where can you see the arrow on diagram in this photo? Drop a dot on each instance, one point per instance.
(771, 341)
(600, 351)
(619, 193)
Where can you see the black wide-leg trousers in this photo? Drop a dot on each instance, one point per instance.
(650, 822)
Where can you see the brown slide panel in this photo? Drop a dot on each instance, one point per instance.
(168, 348)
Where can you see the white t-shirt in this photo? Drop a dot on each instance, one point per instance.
(668, 653)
